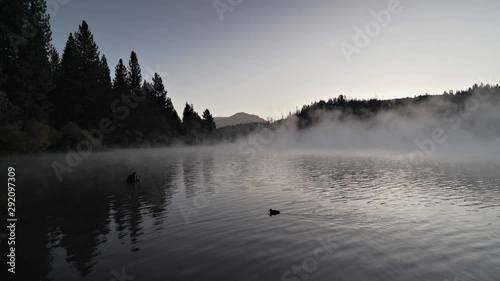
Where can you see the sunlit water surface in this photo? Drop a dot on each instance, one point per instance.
(201, 214)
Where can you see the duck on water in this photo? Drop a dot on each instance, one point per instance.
(273, 212)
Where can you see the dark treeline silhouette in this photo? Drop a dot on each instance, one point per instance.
(51, 101)
(450, 104)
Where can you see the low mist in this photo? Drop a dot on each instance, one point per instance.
(435, 127)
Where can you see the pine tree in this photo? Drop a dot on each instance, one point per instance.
(105, 73)
(174, 123)
(66, 101)
(159, 88)
(88, 54)
(147, 88)
(191, 121)
(187, 115)
(104, 90)
(55, 63)
(208, 122)
(31, 76)
(134, 77)
(135, 121)
(120, 85)
(90, 70)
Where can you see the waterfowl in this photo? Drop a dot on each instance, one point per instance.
(273, 212)
(133, 178)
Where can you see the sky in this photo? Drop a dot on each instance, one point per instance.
(268, 57)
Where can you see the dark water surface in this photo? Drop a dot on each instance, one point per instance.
(201, 214)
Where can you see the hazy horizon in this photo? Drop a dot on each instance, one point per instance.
(289, 53)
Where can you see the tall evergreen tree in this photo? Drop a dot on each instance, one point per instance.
(88, 53)
(191, 121)
(173, 121)
(30, 75)
(135, 121)
(66, 100)
(134, 77)
(105, 74)
(104, 90)
(120, 82)
(55, 63)
(90, 71)
(147, 89)
(159, 88)
(208, 122)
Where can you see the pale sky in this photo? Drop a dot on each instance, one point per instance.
(267, 57)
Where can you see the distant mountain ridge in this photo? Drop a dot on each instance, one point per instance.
(237, 119)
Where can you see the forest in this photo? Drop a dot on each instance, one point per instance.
(447, 105)
(50, 101)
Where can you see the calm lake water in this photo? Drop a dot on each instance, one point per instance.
(201, 214)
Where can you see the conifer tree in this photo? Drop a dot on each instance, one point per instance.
(134, 81)
(159, 88)
(104, 90)
(173, 121)
(208, 122)
(88, 54)
(134, 77)
(120, 85)
(55, 63)
(65, 99)
(90, 90)
(105, 74)
(191, 121)
(31, 60)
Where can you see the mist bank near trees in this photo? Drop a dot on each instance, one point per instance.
(457, 123)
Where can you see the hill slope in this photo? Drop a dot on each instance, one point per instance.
(236, 119)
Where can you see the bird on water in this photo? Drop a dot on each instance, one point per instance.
(273, 212)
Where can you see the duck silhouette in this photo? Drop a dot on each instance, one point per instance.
(273, 212)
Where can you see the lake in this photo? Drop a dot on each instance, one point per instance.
(202, 214)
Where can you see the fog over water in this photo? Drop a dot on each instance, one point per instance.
(434, 128)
